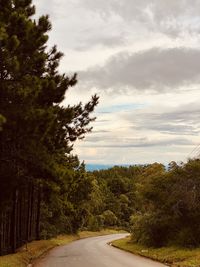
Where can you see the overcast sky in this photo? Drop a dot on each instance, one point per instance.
(143, 59)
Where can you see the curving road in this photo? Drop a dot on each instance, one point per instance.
(94, 252)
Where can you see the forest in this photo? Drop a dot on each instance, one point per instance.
(160, 206)
(40, 179)
(45, 189)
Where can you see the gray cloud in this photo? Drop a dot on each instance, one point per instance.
(182, 121)
(80, 28)
(110, 138)
(100, 131)
(103, 39)
(84, 24)
(171, 17)
(156, 69)
(173, 129)
(114, 142)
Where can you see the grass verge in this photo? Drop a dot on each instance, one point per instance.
(36, 249)
(173, 256)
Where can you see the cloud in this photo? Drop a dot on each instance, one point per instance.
(106, 39)
(156, 69)
(115, 142)
(170, 17)
(180, 121)
(100, 131)
(141, 57)
(79, 28)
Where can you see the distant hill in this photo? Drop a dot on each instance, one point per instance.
(97, 167)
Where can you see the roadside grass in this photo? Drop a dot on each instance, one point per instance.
(36, 249)
(172, 256)
(85, 234)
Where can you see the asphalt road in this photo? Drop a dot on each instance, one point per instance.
(94, 252)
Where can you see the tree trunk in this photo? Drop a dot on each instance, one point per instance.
(13, 231)
(38, 213)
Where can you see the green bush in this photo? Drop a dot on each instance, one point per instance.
(110, 218)
(151, 230)
(95, 223)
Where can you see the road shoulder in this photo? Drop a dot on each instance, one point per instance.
(172, 256)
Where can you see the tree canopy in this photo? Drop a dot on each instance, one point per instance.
(37, 131)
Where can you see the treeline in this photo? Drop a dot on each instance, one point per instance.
(116, 197)
(168, 205)
(160, 206)
(43, 186)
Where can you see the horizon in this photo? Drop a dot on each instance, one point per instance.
(97, 167)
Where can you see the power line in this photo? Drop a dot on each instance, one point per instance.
(195, 150)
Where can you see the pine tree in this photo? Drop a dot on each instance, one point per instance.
(38, 131)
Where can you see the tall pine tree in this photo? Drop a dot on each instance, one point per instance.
(38, 131)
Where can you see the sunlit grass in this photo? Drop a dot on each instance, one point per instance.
(85, 234)
(37, 248)
(174, 256)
